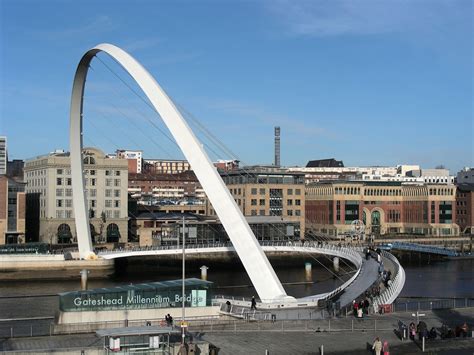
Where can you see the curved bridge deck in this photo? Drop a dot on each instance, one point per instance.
(366, 271)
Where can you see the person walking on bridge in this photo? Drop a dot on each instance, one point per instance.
(253, 304)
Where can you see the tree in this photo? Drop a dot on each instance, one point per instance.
(103, 221)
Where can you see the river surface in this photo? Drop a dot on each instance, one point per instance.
(435, 280)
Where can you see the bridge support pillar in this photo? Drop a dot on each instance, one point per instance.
(335, 263)
(204, 269)
(308, 268)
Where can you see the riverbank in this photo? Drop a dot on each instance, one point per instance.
(51, 267)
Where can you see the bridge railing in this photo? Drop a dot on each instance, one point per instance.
(389, 295)
(424, 248)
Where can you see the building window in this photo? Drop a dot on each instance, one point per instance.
(297, 213)
(289, 212)
(93, 182)
(297, 191)
(59, 192)
(117, 203)
(262, 202)
(253, 202)
(107, 173)
(262, 191)
(69, 181)
(289, 202)
(117, 193)
(108, 193)
(254, 191)
(262, 213)
(253, 212)
(290, 192)
(108, 214)
(116, 214)
(117, 182)
(68, 214)
(298, 202)
(59, 203)
(108, 182)
(59, 214)
(93, 192)
(92, 172)
(68, 192)
(68, 203)
(59, 181)
(108, 203)
(59, 171)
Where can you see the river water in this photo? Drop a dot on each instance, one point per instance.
(437, 280)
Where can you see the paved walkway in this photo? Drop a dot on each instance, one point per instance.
(367, 276)
(298, 337)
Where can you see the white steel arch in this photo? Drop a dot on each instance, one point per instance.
(261, 273)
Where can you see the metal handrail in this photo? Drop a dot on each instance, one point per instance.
(389, 295)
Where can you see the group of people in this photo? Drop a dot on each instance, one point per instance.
(360, 308)
(387, 277)
(445, 332)
(458, 332)
(373, 292)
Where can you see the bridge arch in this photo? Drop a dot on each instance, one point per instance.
(256, 264)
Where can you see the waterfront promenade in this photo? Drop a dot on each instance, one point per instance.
(339, 336)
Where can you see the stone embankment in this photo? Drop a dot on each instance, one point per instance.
(50, 266)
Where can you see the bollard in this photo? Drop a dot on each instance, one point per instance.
(84, 273)
(321, 350)
(267, 352)
(335, 262)
(204, 269)
(423, 344)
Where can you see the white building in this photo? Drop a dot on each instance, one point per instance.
(465, 176)
(48, 183)
(134, 156)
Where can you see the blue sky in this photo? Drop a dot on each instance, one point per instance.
(368, 82)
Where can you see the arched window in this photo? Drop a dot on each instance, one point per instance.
(64, 234)
(364, 218)
(113, 233)
(375, 218)
(89, 160)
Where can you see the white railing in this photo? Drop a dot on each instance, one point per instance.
(389, 295)
(343, 252)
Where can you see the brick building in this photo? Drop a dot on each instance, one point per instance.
(384, 207)
(465, 208)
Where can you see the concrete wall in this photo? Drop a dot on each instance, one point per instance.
(133, 315)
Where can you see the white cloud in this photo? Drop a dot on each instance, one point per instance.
(363, 17)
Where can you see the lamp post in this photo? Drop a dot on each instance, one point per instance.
(183, 288)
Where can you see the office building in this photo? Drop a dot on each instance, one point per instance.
(49, 191)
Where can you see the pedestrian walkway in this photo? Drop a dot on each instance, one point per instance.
(367, 276)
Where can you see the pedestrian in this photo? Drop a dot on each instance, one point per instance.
(377, 346)
(355, 306)
(464, 330)
(385, 348)
(359, 313)
(366, 306)
(228, 306)
(253, 304)
(412, 330)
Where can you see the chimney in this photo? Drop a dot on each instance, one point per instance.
(277, 146)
